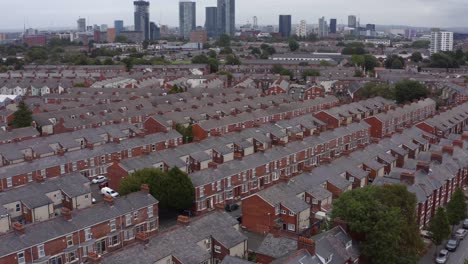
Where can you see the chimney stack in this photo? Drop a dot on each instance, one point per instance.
(145, 188)
(307, 244)
(448, 150)
(66, 213)
(109, 200)
(407, 177)
(19, 228)
(423, 166)
(183, 220)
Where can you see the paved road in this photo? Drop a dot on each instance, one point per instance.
(457, 257)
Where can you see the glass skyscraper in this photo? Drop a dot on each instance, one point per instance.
(187, 18)
(226, 17)
(142, 20)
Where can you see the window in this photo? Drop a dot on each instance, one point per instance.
(314, 201)
(40, 251)
(201, 191)
(103, 159)
(43, 172)
(283, 212)
(71, 257)
(277, 210)
(291, 214)
(114, 240)
(69, 241)
(140, 229)
(62, 169)
(152, 225)
(30, 178)
(291, 227)
(308, 200)
(217, 249)
(275, 176)
(18, 207)
(21, 258)
(128, 234)
(229, 181)
(112, 225)
(74, 166)
(153, 147)
(87, 234)
(128, 219)
(150, 211)
(9, 182)
(56, 260)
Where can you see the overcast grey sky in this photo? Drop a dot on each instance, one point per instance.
(64, 13)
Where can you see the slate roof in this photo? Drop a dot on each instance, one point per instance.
(181, 243)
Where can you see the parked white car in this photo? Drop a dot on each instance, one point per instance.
(109, 191)
(461, 233)
(99, 179)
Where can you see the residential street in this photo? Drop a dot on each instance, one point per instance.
(457, 257)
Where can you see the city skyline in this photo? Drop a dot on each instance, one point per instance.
(430, 13)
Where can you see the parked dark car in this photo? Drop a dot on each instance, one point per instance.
(231, 207)
(103, 184)
(452, 244)
(465, 224)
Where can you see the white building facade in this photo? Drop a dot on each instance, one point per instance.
(441, 41)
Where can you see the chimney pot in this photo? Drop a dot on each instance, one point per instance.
(307, 244)
(145, 188)
(66, 213)
(109, 200)
(183, 220)
(19, 228)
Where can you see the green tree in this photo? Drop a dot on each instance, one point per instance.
(212, 54)
(145, 44)
(372, 89)
(176, 89)
(385, 219)
(421, 44)
(200, 59)
(416, 57)
(121, 39)
(310, 72)
(173, 189)
(293, 45)
(439, 227)
(456, 208)
(22, 117)
(256, 51)
(408, 90)
(226, 50)
(232, 60)
(443, 60)
(394, 62)
(186, 132)
(229, 76)
(214, 65)
(224, 40)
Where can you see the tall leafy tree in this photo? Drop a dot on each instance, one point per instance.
(173, 189)
(456, 208)
(22, 117)
(408, 90)
(224, 40)
(416, 56)
(385, 220)
(439, 227)
(293, 45)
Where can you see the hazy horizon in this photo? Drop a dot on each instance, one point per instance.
(63, 14)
